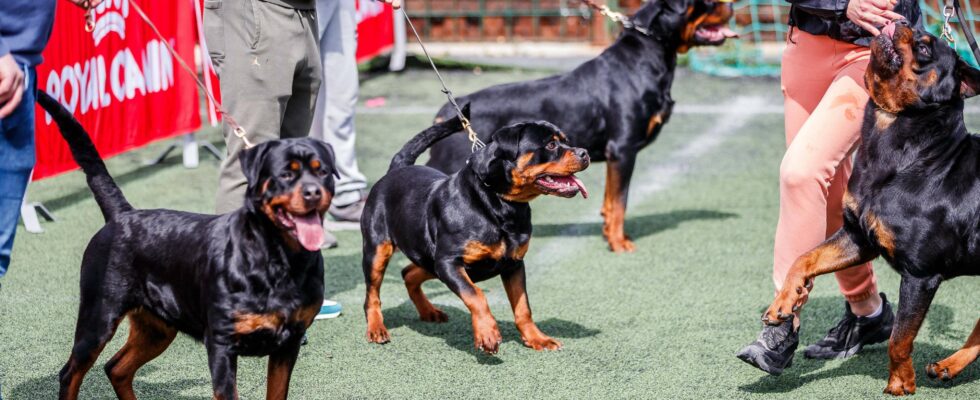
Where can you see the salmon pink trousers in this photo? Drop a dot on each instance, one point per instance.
(824, 95)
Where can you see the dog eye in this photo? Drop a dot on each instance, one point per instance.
(286, 175)
(923, 50)
(552, 145)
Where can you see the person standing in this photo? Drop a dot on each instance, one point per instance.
(823, 70)
(333, 121)
(266, 55)
(25, 27)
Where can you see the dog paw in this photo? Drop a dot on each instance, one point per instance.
(434, 315)
(543, 343)
(900, 387)
(788, 301)
(946, 369)
(622, 246)
(378, 334)
(488, 339)
(934, 371)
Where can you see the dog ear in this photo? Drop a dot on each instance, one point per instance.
(662, 17)
(251, 161)
(969, 78)
(494, 163)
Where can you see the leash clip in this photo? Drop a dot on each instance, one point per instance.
(471, 134)
(240, 133)
(947, 33)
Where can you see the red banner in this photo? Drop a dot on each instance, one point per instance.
(375, 28)
(119, 80)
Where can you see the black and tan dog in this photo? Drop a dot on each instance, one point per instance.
(613, 105)
(466, 227)
(247, 283)
(914, 197)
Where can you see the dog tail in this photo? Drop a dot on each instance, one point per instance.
(425, 139)
(107, 194)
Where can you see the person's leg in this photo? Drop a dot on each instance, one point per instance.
(306, 84)
(813, 177)
(259, 46)
(16, 162)
(825, 98)
(334, 119)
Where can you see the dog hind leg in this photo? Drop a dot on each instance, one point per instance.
(148, 338)
(618, 174)
(414, 277)
(952, 366)
(99, 313)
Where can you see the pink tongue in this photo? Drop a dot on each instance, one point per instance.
(309, 230)
(889, 30)
(581, 187)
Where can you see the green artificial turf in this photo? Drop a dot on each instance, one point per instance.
(663, 322)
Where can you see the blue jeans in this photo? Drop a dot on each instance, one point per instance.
(16, 163)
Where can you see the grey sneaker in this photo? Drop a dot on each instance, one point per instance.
(773, 351)
(350, 212)
(329, 241)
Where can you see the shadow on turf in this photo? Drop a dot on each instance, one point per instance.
(822, 313)
(458, 332)
(96, 383)
(638, 226)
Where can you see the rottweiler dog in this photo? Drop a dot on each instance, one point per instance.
(914, 196)
(466, 227)
(246, 283)
(613, 105)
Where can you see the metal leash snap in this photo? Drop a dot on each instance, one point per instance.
(471, 134)
(240, 133)
(947, 33)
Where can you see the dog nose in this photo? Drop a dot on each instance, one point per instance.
(582, 154)
(311, 192)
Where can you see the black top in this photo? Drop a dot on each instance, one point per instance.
(829, 18)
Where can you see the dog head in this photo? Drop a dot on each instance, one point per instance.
(912, 69)
(526, 160)
(689, 22)
(291, 182)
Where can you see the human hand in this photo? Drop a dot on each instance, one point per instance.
(870, 14)
(396, 4)
(11, 85)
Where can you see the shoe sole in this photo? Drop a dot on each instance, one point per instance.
(327, 316)
(760, 361)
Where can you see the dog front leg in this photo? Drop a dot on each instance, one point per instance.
(281, 365)
(223, 364)
(915, 297)
(842, 250)
(619, 171)
(515, 285)
(486, 334)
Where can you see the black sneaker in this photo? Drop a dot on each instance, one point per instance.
(853, 332)
(773, 351)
